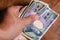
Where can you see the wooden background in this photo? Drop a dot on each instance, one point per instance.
(54, 32)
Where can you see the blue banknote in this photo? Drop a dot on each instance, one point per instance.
(45, 15)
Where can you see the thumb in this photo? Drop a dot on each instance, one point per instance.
(28, 20)
(14, 10)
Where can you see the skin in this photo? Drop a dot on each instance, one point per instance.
(12, 25)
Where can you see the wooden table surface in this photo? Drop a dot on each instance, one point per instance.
(54, 32)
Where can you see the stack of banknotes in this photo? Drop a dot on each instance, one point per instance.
(44, 19)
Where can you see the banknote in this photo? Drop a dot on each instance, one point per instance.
(44, 19)
(34, 6)
(20, 37)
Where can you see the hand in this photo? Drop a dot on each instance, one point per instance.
(13, 25)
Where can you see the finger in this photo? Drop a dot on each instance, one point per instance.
(27, 21)
(17, 10)
(14, 10)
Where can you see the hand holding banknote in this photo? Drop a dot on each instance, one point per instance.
(12, 25)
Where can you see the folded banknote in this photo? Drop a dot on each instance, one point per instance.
(44, 19)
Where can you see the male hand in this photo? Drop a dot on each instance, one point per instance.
(13, 25)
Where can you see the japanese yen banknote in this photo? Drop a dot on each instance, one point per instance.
(44, 19)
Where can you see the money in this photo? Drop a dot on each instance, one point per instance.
(38, 24)
(34, 7)
(20, 37)
(44, 19)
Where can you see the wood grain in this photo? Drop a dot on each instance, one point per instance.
(6, 3)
